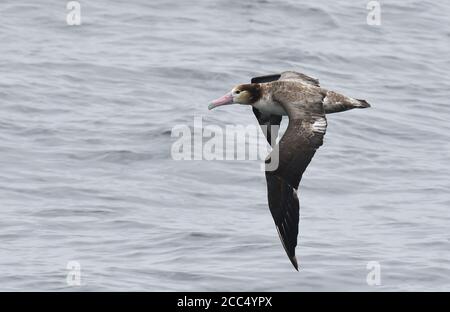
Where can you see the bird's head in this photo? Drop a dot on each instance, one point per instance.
(245, 94)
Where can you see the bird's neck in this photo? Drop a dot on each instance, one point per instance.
(266, 104)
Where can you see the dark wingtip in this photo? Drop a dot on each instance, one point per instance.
(294, 262)
(363, 104)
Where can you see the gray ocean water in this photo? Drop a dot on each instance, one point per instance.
(85, 138)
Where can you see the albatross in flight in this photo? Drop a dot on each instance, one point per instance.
(301, 98)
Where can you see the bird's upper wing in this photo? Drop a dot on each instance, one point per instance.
(304, 135)
(287, 75)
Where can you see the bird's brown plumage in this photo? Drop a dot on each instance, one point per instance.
(306, 104)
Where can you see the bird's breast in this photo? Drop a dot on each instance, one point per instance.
(267, 106)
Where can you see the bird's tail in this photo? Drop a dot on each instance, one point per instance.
(334, 102)
(361, 104)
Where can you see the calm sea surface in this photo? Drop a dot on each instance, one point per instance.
(85, 139)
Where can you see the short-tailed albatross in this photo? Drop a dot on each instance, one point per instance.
(301, 98)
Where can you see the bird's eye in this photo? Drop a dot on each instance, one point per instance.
(237, 91)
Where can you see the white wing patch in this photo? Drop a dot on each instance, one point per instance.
(319, 125)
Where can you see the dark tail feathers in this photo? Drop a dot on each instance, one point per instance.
(363, 104)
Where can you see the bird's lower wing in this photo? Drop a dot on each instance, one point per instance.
(292, 154)
(285, 210)
(290, 158)
(304, 135)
